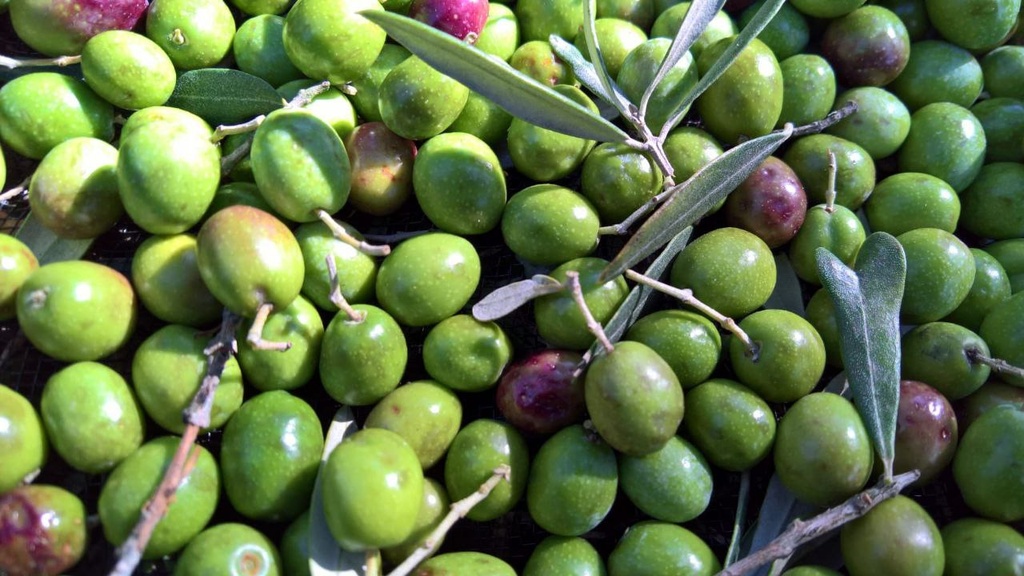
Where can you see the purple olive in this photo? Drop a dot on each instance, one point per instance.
(540, 394)
(460, 18)
(770, 203)
(926, 431)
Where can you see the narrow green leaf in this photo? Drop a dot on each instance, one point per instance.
(761, 19)
(787, 295)
(597, 59)
(742, 501)
(47, 246)
(867, 301)
(224, 96)
(585, 73)
(697, 18)
(508, 298)
(694, 197)
(633, 307)
(326, 558)
(493, 78)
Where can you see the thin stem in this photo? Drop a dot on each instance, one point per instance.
(340, 233)
(593, 325)
(830, 192)
(686, 297)
(228, 163)
(996, 364)
(373, 567)
(833, 117)
(622, 228)
(255, 336)
(336, 296)
(12, 63)
(458, 510)
(18, 190)
(741, 518)
(306, 95)
(348, 89)
(801, 532)
(225, 130)
(196, 416)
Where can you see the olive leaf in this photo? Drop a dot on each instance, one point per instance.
(742, 502)
(47, 246)
(586, 74)
(326, 558)
(692, 199)
(787, 294)
(761, 19)
(867, 300)
(224, 95)
(508, 298)
(697, 18)
(633, 307)
(494, 79)
(597, 61)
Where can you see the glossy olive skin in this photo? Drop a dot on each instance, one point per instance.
(1003, 329)
(559, 320)
(44, 530)
(23, 440)
(128, 69)
(361, 361)
(248, 258)
(939, 72)
(976, 25)
(1003, 121)
(193, 33)
(459, 184)
(618, 180)
(132, 483)
(465, 563)
(826, 8)
(258, 48)
(634, 398)
(671, 18)
(478, 449)
(57, 304)
(433, 509)
(770, 202)
(730, 424)
(868, 47)
(638, 71)
(313, 27)
(939, 353)
(786, 34)
(167, 370)
(672, 484)
(538, 19)
(74, 190)
(1010, 254)
(940, 271)
(690, 149)
(1000, 68)
(92, 418)
(837, 230)
(483, 118)
(926, 431)
(428, 278)
(372, 490)
(990, 288)
(650, 548)
(564, 555)
(548, 224)
(418, 102)
(269, 457)
(573, 482)
(688, 341)
(357, 272)
(984, 466)
(538, 60)
(909, 200)
(896, 537)
(975, 547)
(617, 38)
(822, 452)
(545, 155)
(62, 29)
(541, 393)
(729, 269)
(855, 170)
(382, 164)
(993, 204)
(880, 125)
(294, 547)
(500, 35)
(992, 394)
(165, 273)
(424, 413)
(821, 313)
(465, 354)
(17, 262)
(808, 89)
(367, 85)
(946, 141)
(747, 99)
(229, 548)
(43, 109)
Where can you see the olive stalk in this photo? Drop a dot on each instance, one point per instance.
(458, 510)
(197, 417)
(976, 356)
(12, 63)
(336, 296)
(340, 233)
(255, 335)
(573, 279)
(801, 532)
(13, 193)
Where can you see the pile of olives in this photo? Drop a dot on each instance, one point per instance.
(296, 235)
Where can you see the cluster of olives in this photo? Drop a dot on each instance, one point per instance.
(934, 155)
